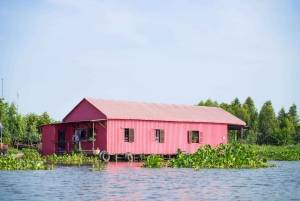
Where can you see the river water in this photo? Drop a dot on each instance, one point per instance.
(127, 181)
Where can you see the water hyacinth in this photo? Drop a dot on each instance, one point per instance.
(222, 156)
(153, 161)
(26, 163)
(71, 159)
(32, 160)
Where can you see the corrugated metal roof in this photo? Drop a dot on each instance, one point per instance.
(116, 109)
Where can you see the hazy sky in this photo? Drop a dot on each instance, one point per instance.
(55, 53)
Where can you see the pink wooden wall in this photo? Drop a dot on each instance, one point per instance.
(50, 134)
(47, 136)
(111, 139)
(84, 111)
(176, 136)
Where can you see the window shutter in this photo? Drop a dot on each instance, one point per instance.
(190, 136)
(162, 136)
(201, 137)
(153, 135)
(122, 133)
(131, 135)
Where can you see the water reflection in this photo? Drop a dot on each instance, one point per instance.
(124, 164)
(127, 181)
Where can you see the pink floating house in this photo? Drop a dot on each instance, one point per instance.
(121, 127)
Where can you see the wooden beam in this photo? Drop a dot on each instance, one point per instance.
(242, 131)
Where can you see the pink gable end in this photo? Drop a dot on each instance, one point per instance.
(84, 111)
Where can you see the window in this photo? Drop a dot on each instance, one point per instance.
(195, 137)
(159, 136)
(90, 132)
(61, 139)
(128, 135)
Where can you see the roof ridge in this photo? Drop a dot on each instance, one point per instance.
(131, 101)
(124, 109)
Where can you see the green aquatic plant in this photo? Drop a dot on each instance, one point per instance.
(12, 163)
(73, 158)
(98, 167)
(32, 160)
(221, 156)
(14, 151)
(153, 161)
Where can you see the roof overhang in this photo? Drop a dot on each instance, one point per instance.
(80, 121)
(238, 127)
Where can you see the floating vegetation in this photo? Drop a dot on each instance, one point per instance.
(72, 159)
(98, 167)
(31, 160)
(222, 156)
(154, 161)
(278, 153)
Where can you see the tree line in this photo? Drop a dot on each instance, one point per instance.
(266, 127)
(18, 128)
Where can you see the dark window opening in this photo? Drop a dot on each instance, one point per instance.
(159, 136)
(90, 132)
(82, 134)
(194, 137)
(128, 135)
(61, 139)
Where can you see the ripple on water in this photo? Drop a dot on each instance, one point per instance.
(127, 181)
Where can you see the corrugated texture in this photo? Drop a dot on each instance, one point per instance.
(47, 138)
(176, 136)
(115, 109)
(84, 111)
(50, 134)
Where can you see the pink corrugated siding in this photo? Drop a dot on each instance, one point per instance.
(101, 137)
(176, 136)
(144, 118)
(50, 134)
(47, 137)
(114, 109)
(84, 111)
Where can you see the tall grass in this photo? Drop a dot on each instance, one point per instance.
(278, 153)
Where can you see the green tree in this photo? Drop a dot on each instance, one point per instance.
(224, 106)
(3, 116)
(237, 110)
(267, 122)
(281, 117)
(294, 119)
(44, 119)
(252, 121)
(31, 121)
(209, 103)
(33, 135)
(252, 112)
(283, 136)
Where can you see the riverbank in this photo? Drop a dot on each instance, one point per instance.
(226, 156)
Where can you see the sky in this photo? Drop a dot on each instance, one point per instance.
(55, 53)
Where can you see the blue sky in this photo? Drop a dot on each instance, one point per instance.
(55, 53)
